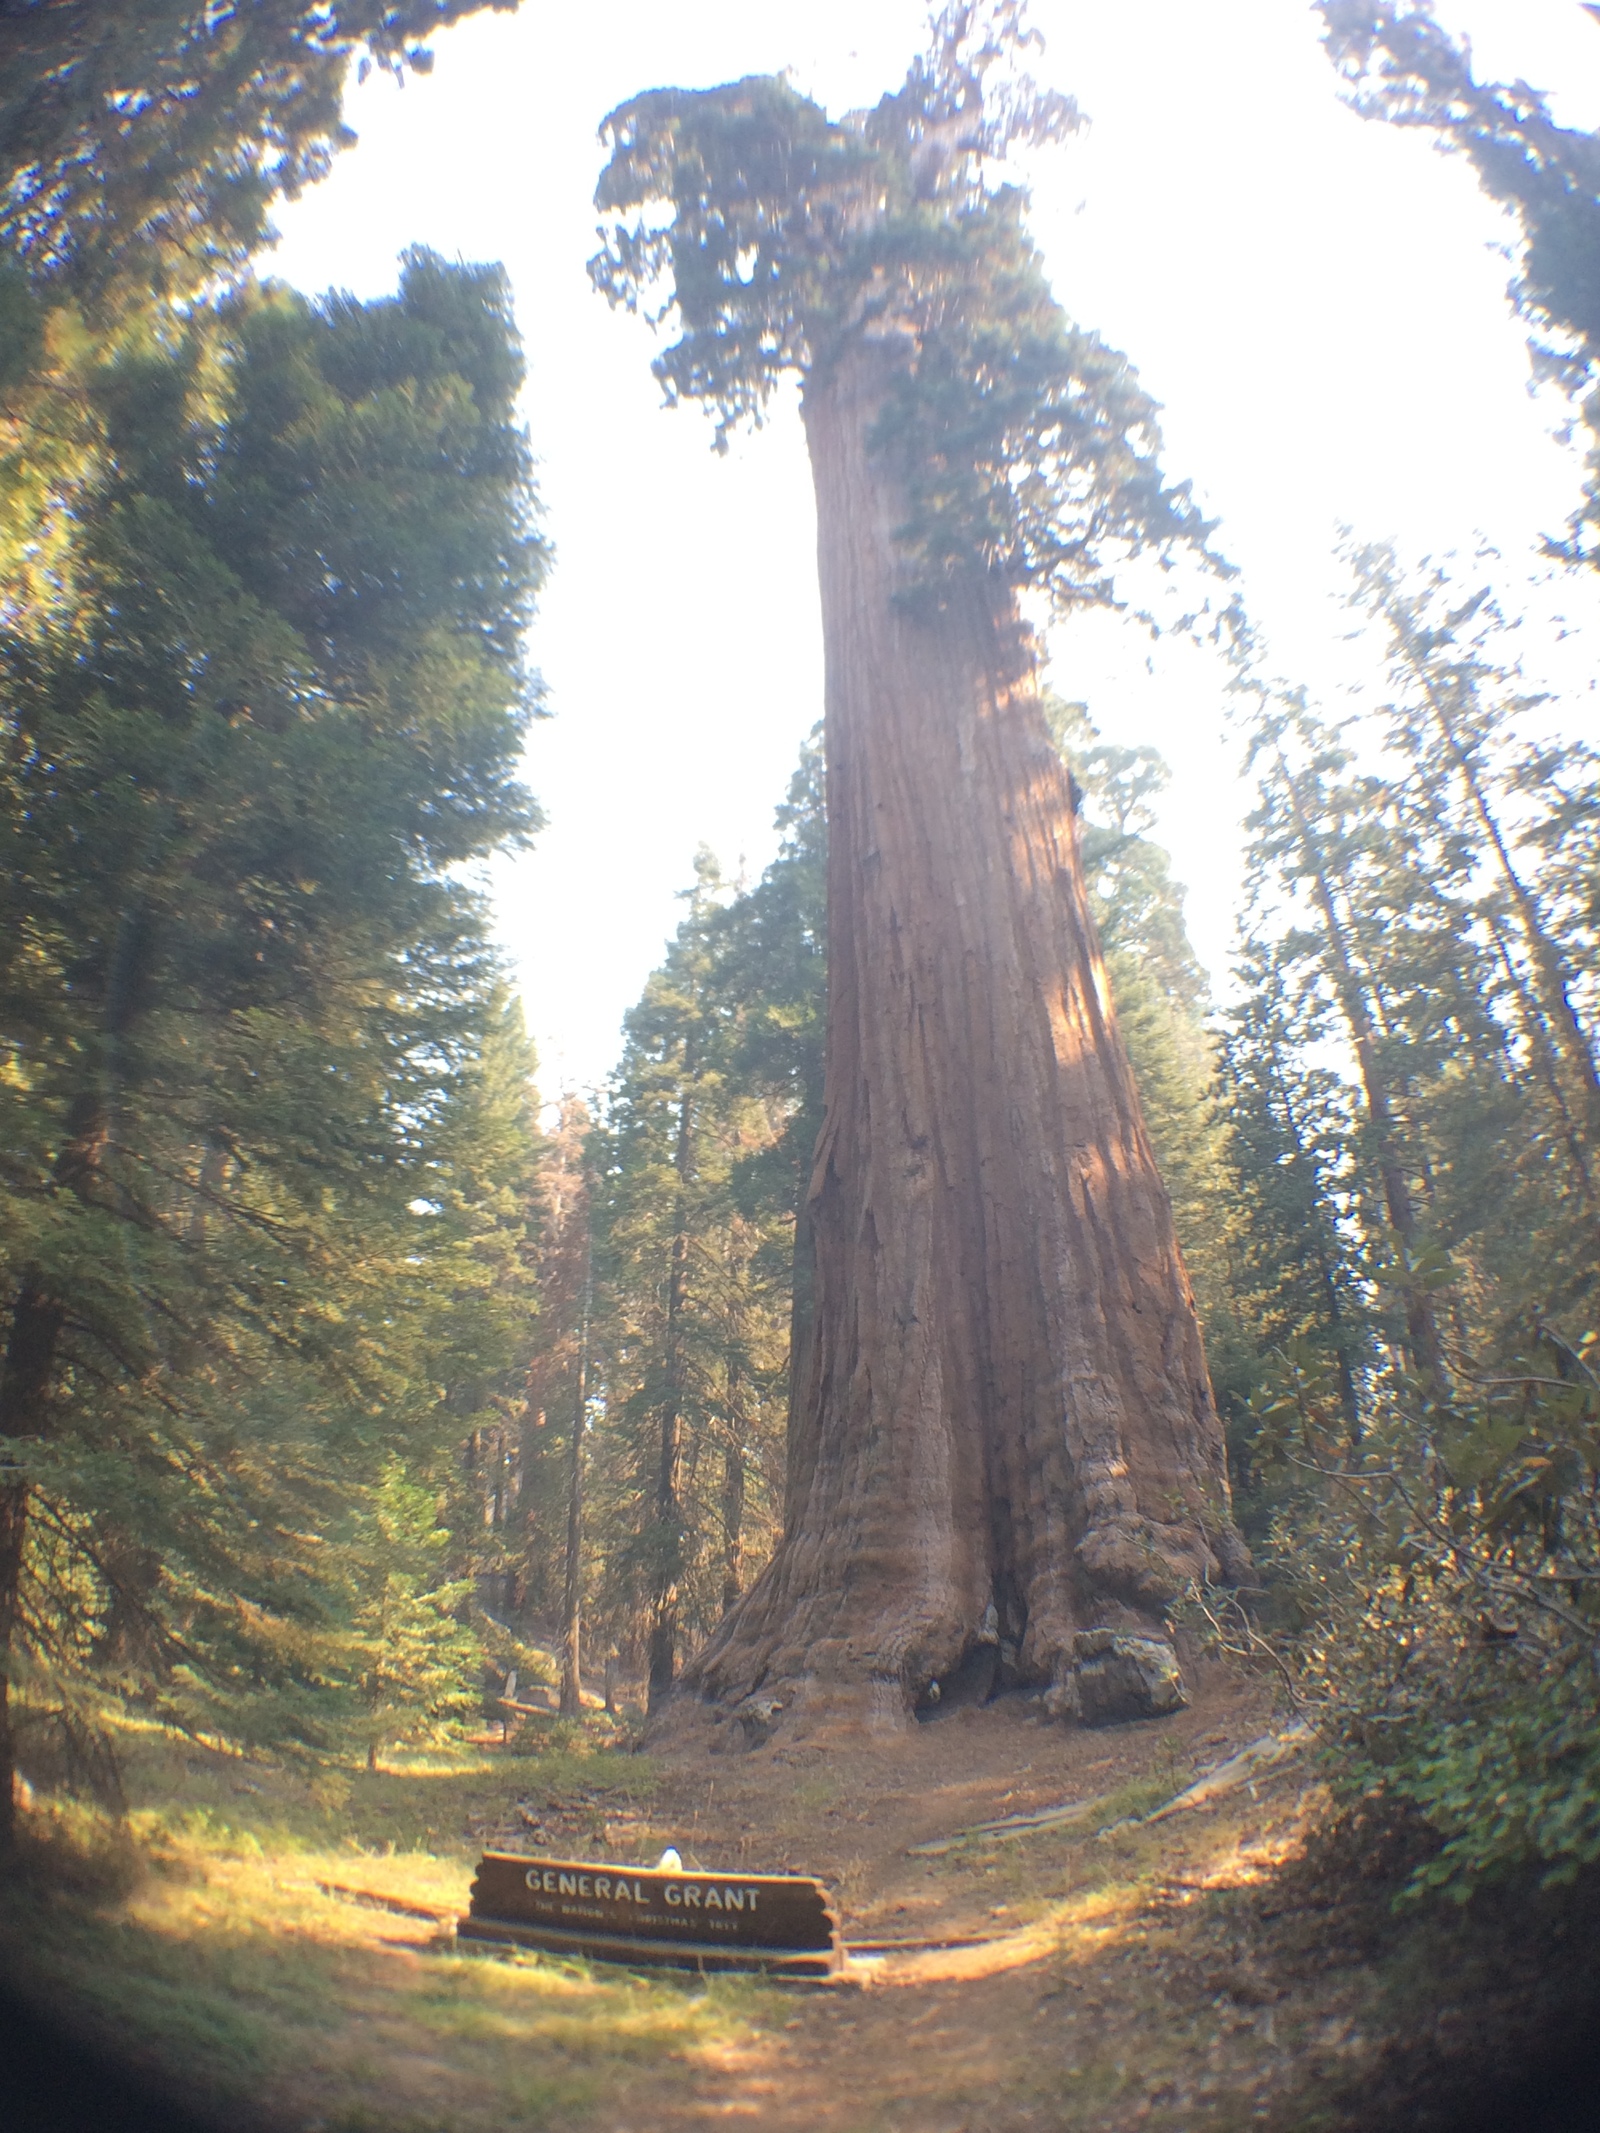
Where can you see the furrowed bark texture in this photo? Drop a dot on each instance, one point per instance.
(1002, 1430)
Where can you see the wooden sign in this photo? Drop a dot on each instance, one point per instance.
(633, 1914)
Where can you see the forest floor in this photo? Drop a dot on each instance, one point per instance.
(278, 1952)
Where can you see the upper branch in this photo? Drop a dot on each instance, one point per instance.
(772, 236)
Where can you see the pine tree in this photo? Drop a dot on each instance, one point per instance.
(473, 1299)
(1298, 1274)
(413, 1657)
(262, 719)
(690, 1304)
(1453, 721)
(1406, 1076)
(550, 1582)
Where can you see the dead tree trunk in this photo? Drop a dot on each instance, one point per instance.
(1001, 1402)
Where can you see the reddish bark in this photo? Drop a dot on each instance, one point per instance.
(1001, 1401)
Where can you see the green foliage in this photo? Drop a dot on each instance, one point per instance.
(1295, 1262)
(263, 1105)
(701, 1165)
(769, 984)
(1405, 68)
(1409, 1076)
(777, 238)
(417, 1661)
(154, 134)
(1450, 1579)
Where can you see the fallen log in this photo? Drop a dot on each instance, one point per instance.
(1240, 1769)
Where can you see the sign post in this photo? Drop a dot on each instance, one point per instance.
(779, 1923)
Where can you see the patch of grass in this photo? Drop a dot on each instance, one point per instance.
(419, 1802)
(199, 1941)
(77, 1850)
(1128, 1803)
(812, 1793)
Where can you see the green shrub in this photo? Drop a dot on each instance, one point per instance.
(1441, 1584)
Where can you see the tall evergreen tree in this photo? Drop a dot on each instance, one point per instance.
(1410, 914)
(548, 1586)
(691, 1303)
(1002, 1425)
(1407, 1082)
(264, 719)
(1297, 1271)
(1453, 722)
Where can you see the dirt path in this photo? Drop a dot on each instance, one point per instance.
(1186, 1973)
(1112, 1986)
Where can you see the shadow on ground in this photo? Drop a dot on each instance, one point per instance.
(55, 2082)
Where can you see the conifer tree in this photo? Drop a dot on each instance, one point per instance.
(413, 1655)
(1452, 720)
(1297, 1271)
(690, 1303)
(763, 985)
(261, 718)
(152, 135)
(550, 1554)
(1002, 1428)
(1410, 910)
(1413, 936)
(474, 1299)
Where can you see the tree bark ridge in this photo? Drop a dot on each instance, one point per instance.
(1001, 1421)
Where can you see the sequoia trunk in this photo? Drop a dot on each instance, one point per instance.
(1001, 1426)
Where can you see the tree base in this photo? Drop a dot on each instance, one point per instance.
(1115, 1676)
(1118, 1676)
(806, 1708)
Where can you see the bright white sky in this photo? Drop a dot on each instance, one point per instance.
(1316, 301)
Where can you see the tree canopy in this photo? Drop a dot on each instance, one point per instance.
(266, 568)
(160, 131)
(1405, 68)
(774, 237)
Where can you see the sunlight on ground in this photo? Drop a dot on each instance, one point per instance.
(212, 1935)
(286, 1934)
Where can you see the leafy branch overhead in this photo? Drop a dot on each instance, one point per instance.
(775, 238)
(1402, 66)
(154, 134)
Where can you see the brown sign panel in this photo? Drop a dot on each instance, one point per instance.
(738, 1917)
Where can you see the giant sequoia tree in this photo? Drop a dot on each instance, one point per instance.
(1003, 1445)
